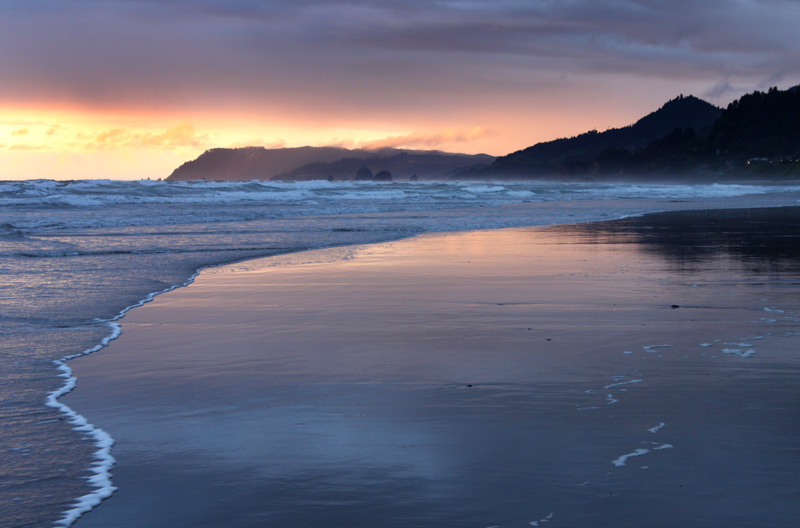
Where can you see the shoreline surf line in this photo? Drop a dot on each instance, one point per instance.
(101, 479)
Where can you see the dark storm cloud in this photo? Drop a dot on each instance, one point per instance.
(165, 52)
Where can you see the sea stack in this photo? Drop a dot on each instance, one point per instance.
(364, 174)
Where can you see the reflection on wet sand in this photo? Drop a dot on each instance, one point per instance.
(763, 240)
(595, 375)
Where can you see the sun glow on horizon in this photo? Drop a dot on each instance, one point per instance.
(132, 89)
(64, 142)
(59, 142)
(56, 143)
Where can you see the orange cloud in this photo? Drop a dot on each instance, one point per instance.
(22, 146)
(20, 132)
(182, 135)
(114, 138)
(258, 142)
(427, 140)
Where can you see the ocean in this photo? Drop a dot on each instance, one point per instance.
(77, 255)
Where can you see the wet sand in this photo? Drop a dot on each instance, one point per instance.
(632, 373)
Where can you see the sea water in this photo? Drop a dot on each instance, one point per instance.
(76, 255)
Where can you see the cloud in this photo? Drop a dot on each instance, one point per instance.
(528, 70)
(365, 52)
(114, 138)
(181, 135)
(258, 142)
(52, 130)
(427, 140)
(20, 132)
(722, 88)
(278, 143)
(25, 147)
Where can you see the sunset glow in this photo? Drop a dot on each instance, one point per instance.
(132, 89)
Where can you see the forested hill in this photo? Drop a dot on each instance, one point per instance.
(573, 154)
(760, 124)
(755, 137)
(255, 163)
(402, 165)
(307, 163)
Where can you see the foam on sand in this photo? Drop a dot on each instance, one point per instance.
(655, 429)
(546, 519)
(623, 383)
(739, 352)
(619, 462)
(651, 348)
(101, 469)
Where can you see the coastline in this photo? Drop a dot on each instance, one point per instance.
(621, 457)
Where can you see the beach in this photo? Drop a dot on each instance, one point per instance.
(625, 373)
(380, 265)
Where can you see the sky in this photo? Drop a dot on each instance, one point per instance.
(130, 89)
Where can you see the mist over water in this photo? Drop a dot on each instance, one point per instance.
(75, 254)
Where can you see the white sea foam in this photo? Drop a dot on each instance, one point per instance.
(657, 428)
(622, 460)
(322, 197)
(484, 188)
(622, 383)
(650, 348)
(739, 352)
(619, 462)
(521, 194)
(101, 469)
(546, 519)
